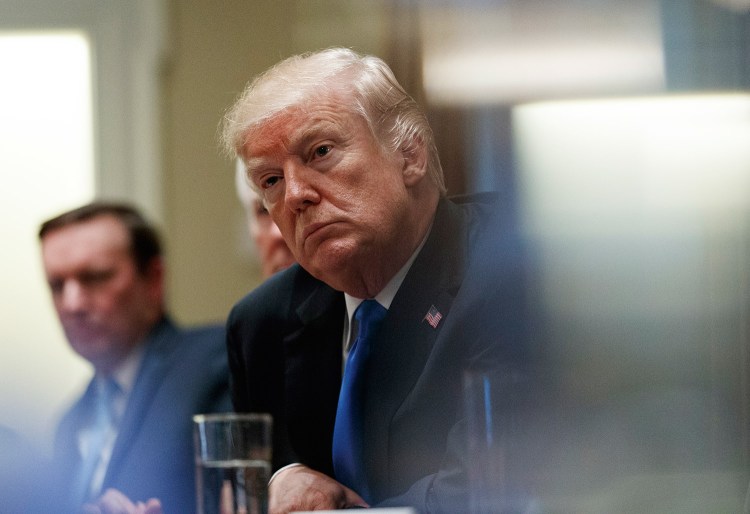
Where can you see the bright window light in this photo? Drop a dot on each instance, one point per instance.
(499, 73)
(513, 52)
(642, 164)
(47, 165)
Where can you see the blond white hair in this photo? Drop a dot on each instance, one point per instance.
(393, 116)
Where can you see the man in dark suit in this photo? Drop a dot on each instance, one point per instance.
(132, 428)
(345, 162)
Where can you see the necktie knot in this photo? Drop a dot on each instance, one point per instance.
(369, 315)
(106, 394)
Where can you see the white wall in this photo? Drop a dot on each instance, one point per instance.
(70, 130)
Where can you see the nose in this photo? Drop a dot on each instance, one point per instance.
(72, 298)
(300, 191)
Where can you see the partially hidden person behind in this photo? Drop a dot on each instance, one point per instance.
(271, 250)
(359, 350)
(130, 433)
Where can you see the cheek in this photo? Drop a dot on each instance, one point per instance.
(263, 243)
(57, 301)
(118, 301)
(286, 225)
(110, 305)
(378, 201)
(254, 231)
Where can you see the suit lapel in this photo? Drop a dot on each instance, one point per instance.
(313, 353)
(66, 439)
(430, 286)
(151, 374)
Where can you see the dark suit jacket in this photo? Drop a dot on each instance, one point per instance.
(285, 354)
(183, 372)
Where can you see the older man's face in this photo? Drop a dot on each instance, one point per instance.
(105, 304)
(339, 199)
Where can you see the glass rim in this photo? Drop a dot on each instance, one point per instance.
(232, 416)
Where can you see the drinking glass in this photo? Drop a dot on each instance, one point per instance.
(232, 462)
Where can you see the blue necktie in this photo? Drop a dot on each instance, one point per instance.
(102, 421)
(348, 461)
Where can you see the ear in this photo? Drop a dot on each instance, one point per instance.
(414, 169)
(155, 277)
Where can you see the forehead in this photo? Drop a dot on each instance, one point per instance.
(89, 240)
(335, 107)
(267, 136)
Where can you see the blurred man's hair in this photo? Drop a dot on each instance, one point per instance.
(145, 243)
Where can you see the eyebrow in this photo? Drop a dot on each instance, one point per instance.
(313, 131)
(253, 164)
(299, 137)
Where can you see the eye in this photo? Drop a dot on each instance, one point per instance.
(269, 181)
(56, 286)
(96, 277)
(322, 151)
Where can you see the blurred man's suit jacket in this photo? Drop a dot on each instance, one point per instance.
(183, 372)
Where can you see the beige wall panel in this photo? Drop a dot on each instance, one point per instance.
(214, 49)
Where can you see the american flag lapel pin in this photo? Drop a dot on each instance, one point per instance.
(433, 316)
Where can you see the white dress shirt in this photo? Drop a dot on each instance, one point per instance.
(124, 377)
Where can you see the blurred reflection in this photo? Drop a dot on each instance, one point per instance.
(503, 52)
(639, 213)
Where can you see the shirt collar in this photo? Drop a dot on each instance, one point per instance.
(384, 297)
(125, 373)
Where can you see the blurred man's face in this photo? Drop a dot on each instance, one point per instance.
(105, 305)
(273, 251)
(340, 200)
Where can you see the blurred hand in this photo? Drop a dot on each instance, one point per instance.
(301, 488)
(114, 502)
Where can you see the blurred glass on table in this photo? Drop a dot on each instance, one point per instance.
(233, 463)
(499, 415)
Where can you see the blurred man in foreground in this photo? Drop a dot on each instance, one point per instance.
(22, 469)
(132, 428)
(344, 161)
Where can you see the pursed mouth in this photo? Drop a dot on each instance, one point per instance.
(311, 229)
